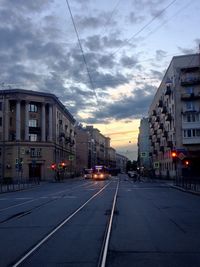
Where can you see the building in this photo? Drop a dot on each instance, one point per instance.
(144, 146)
(83, 149)
(36, 130)
(121, 162)
(93, 148)
(174, 117)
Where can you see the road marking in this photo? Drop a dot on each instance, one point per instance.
(57, 228)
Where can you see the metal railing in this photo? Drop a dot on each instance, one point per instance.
(8, 185)
(188, 183)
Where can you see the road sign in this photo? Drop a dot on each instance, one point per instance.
(71, 157)
(156, 165)
(181, 156)
(143, 154)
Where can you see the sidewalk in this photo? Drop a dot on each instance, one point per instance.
(186, 187)
(189, 188)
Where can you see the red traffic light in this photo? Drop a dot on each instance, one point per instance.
(53, 166)
(173, 154)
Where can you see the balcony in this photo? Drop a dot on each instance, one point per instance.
(165, 134)
(154, 113)
(160, 104)
(162, 149)
(170, 144)
(190, 80)
(169, 117)
(190, 97)
(157, 119)
(158, 140)
(168, 90)
(164, 110)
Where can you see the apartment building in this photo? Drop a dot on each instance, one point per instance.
(121, 162)
(144, 146)
(93, 148)
(174, 118)
(36, 130)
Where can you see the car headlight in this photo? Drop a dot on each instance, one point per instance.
(95, 176)
(101, 175)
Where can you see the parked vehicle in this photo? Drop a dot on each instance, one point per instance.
(88, 173)
(132, 174)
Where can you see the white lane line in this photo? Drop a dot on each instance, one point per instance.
(23, 198)
(57, 228)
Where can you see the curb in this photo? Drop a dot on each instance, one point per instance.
(185, 190)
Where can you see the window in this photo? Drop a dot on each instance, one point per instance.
(33, 137)
(191, 133)
(189, 90)
(35, 152)
(198, 132)
(0, 106)
(33, 108)
(11, 120)
(189, 105)
(32, 123)
(191, 117)
(0, 121)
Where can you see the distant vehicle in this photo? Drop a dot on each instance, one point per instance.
(100, 173)
(132, 174)
(88, 173)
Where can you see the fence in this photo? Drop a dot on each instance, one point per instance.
(8, 185)
(189, 183)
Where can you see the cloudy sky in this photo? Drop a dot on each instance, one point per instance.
(110, 81)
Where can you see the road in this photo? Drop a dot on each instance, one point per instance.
(67, 224)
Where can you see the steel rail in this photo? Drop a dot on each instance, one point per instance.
(38, 198)
(104, 251)
(39, 244)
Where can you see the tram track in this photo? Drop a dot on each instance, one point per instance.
(55, 194)
(107, 231)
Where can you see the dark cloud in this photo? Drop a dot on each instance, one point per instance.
(157, 74)
(186, 51)
(135, 18)
(160, 54)
(96, 21)
(133, 107)
(26, 6)
(128, 62)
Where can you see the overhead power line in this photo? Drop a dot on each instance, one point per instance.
(146, 25)
(82, 52)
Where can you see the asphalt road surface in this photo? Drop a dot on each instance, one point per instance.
(68, 224)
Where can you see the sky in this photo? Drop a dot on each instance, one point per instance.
(107, 68)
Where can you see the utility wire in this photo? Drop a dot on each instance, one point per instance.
(82, 52)
(145, 26)
(111, 15)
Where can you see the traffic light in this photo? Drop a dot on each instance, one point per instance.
(53, 166)
(186, 163)
(174, 156)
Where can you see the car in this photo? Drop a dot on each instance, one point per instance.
(132, 174)
(87, 174)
